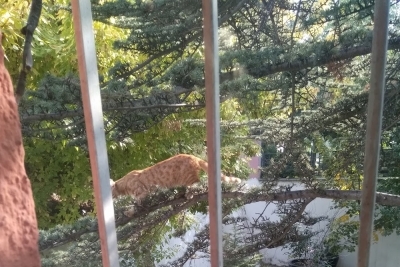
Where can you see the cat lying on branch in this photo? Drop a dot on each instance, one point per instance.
(179, 170)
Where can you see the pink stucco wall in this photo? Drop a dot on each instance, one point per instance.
(18, 227)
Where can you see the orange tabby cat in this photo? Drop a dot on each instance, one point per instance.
(179, 170)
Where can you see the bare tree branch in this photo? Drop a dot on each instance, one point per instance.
(27, 60)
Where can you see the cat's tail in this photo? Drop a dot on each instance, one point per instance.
(204, 166)
(114, 192)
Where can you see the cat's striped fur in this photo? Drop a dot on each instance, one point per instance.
(179, 170)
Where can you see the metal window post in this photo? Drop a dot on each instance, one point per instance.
(374, 125)
(210, 31)
(91, 98)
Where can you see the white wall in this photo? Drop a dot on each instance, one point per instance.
(384, 253)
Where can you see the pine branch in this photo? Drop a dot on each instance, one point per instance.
(201, 241)
(313, 61)
(179, 204)
(157, 99)
(278, 234)
(180, 46)
(57, 116)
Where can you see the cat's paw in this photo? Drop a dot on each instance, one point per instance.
(129, 213)
(234, 180)
(188, 195)
(237, 180)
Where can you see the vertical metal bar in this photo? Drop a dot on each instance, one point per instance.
(93, 112)
(374, 125)
(210, 14)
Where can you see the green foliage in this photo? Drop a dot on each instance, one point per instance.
(54, 48)
(60, 177)
(289, 73)
(187, 72)
(343, 236)
(232, 244)
(350, 176)
(10, 25)
(387, 218)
